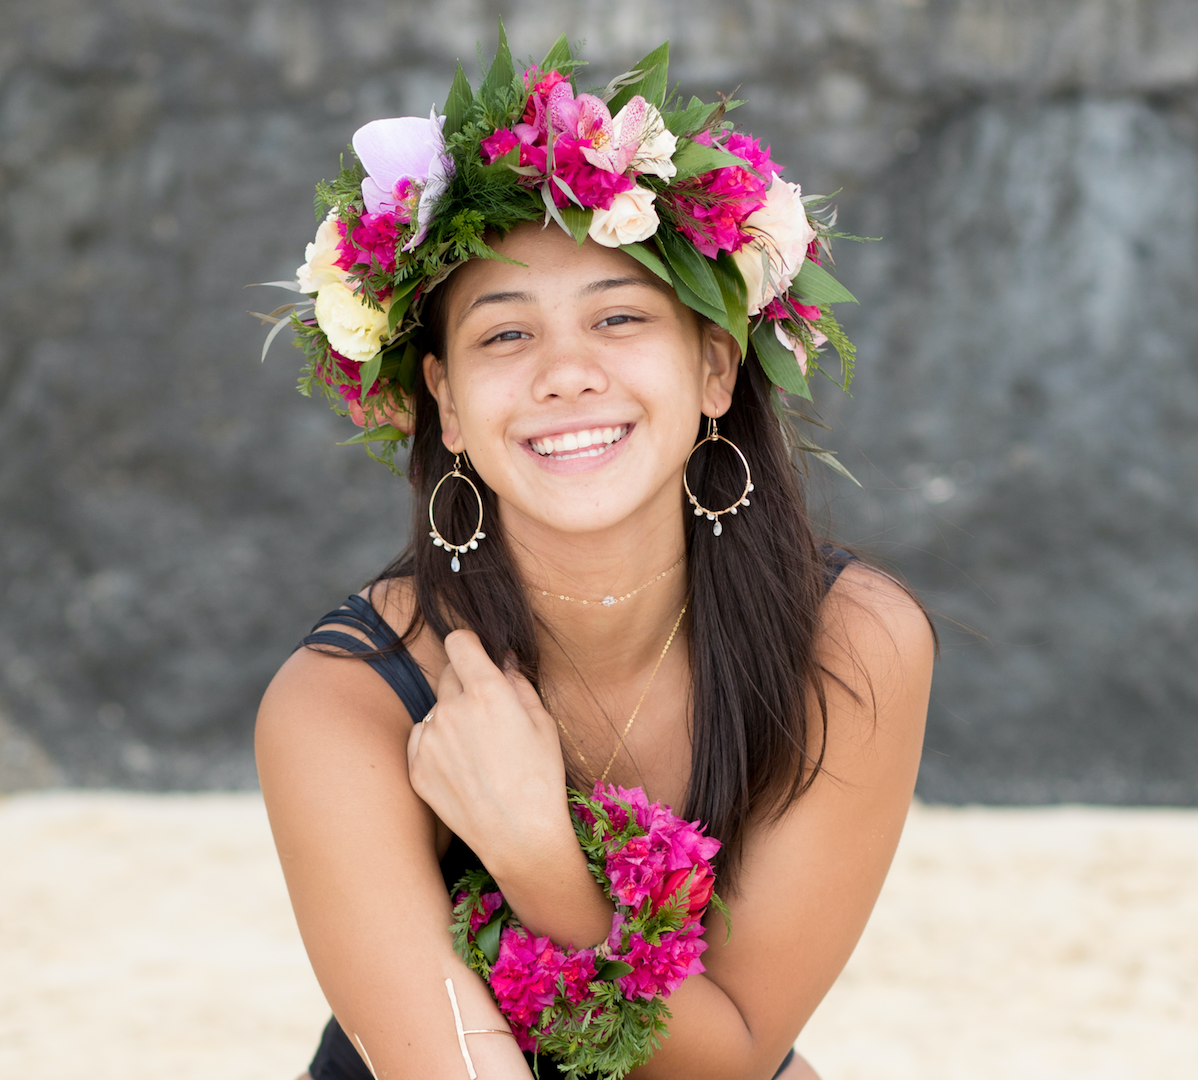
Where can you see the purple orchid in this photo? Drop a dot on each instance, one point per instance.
(407, 166)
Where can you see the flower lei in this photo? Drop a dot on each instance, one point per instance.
(699, 204)
(600, 1011)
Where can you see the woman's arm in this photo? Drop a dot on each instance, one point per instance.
(358, 850)
(810, 882)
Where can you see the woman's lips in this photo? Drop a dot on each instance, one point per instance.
(585, 442)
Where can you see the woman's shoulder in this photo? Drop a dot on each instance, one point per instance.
(875, 633)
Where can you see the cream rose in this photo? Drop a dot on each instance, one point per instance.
(644, 125)
(630, 219)
(771, 261)
(321, 267)
(354, 329)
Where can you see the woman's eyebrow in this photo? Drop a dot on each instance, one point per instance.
(616, 283)
(497, 298)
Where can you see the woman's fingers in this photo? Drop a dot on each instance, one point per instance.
(449, 685)
(527, 695)
(470, 661)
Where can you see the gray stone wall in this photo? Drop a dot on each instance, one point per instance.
(172, 515)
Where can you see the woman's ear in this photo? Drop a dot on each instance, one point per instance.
(437, 380)
(721, 363)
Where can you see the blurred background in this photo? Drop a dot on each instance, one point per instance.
(173, 516)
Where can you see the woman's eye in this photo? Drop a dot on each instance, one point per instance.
(507, 335)
(619, 320)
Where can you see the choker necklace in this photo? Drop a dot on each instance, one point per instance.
(627, 727)
(611, 601)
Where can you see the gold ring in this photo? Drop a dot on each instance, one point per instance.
(429, 715)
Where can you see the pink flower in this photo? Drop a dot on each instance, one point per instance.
(790, 309)
(374, 238)
(698, 897)
(499, 145)
(491, 903)
(524, 980)
(661, 969)
(576, 974)
(713, 207)
(795, 343)
(591, 186)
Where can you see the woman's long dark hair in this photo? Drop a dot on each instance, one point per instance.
(754, 595)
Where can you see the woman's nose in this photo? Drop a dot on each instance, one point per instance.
(568, 368)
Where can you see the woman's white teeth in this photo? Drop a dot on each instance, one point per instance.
(591, 443)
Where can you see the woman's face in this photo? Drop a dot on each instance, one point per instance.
(575, 382)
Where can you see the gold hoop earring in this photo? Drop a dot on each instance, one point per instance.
(713, 435)
(455, 564)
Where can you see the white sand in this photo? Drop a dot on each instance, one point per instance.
(144, 938)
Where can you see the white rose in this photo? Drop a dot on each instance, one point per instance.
(630, 219)
(353, 328)
(771, 261)
(321, 267)
(641, 122)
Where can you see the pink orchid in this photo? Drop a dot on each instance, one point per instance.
(407, 168)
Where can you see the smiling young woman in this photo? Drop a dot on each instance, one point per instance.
(595, 625)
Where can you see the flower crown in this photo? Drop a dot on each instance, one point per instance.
(674, 186)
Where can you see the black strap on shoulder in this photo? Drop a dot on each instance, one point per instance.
(402, 673)
(835, 560)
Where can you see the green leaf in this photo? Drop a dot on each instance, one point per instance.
(652, 85)
(502, 69)
(816, 286)
(722, 908)
(401, 300)
(694, 158)
(459, 101)
(646, 258)
(691, 265)
(716, 315)
(693, 118)
(559, 53)
(382, 433)
(736, 299)
(368, 373)
(611, 970)
(408, 367)
(578, 221)
(487, 938)
(778, 361)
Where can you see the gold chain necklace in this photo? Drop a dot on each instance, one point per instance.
(627, 727)
(611, 601)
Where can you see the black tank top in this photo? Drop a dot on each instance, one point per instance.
(336, 1058)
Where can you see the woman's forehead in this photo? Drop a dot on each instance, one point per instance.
(548, 264)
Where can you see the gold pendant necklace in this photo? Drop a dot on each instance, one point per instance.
(628, 726)
(611, 601)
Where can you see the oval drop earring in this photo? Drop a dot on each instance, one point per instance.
(714, 436)
(455, 564)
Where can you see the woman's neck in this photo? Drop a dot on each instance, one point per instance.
(602, 644)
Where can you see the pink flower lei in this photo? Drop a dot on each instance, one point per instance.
(591, 1008)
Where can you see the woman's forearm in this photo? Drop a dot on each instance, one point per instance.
(546, 880)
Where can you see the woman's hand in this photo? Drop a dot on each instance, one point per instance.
(489, 764)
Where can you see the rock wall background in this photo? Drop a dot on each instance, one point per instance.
(173, 516)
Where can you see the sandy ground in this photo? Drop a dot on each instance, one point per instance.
(150, 937)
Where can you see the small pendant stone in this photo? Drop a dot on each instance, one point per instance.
(717, 528)
(608, 601)
(455, 564)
